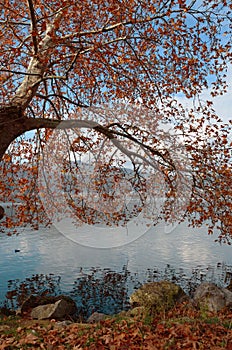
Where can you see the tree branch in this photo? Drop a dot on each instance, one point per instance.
(19, 72)
(33, 25)
(39, 123)
(111, 27)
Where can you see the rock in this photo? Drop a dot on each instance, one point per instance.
(7, 312)
(229, 287)
(137, 311)
(2, 212)
(18, 312)
(30, 302)
(63, 324)
(96, 317)
(35, 300)
(49, 306)
(157, 296)
(58, 310)
(211, 297)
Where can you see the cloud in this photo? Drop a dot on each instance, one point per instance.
(222, 103)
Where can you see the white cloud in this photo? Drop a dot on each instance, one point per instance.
(222, 104)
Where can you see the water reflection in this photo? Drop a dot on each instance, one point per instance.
(49, 252)
(107, 291)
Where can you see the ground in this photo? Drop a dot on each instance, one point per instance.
(183, 327)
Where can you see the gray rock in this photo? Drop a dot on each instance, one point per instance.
(30, 302)
(60, 309)
(35, 300)
(158, 296)
(63, 324)
(211, 297)
(229, 287)
(96, 317)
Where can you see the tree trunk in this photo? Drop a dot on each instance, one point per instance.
(12, 125)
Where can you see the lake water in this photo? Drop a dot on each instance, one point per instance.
(184, 250)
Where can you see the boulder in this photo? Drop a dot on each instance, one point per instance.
(59, 310)
(138, 311)
(210, 297)
(158, 296)
(43, 307)
(4, 311)
(229, 287)
(96, 317)
(63, 324)
(35, 300)
(30, 302)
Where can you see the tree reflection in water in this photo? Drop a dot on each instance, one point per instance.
(108, 291)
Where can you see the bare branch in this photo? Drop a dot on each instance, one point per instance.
(105, 29)
(33, 25)
(15, 23)
(63, 97)
(18, 72)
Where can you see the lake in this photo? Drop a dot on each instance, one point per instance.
(157, 254)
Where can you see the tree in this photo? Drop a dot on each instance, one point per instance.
(61, 64)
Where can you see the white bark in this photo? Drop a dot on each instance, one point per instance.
(36, 68)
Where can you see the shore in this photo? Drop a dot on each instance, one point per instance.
(183, 327)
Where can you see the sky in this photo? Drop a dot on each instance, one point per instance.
(222, 104)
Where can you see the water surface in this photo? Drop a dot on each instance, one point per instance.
(47, 251)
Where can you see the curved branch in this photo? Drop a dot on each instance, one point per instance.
(109, 134)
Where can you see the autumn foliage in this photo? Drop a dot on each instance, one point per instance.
(114, 73)
(182, 328)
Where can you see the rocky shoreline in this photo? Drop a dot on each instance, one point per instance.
(150, 299)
